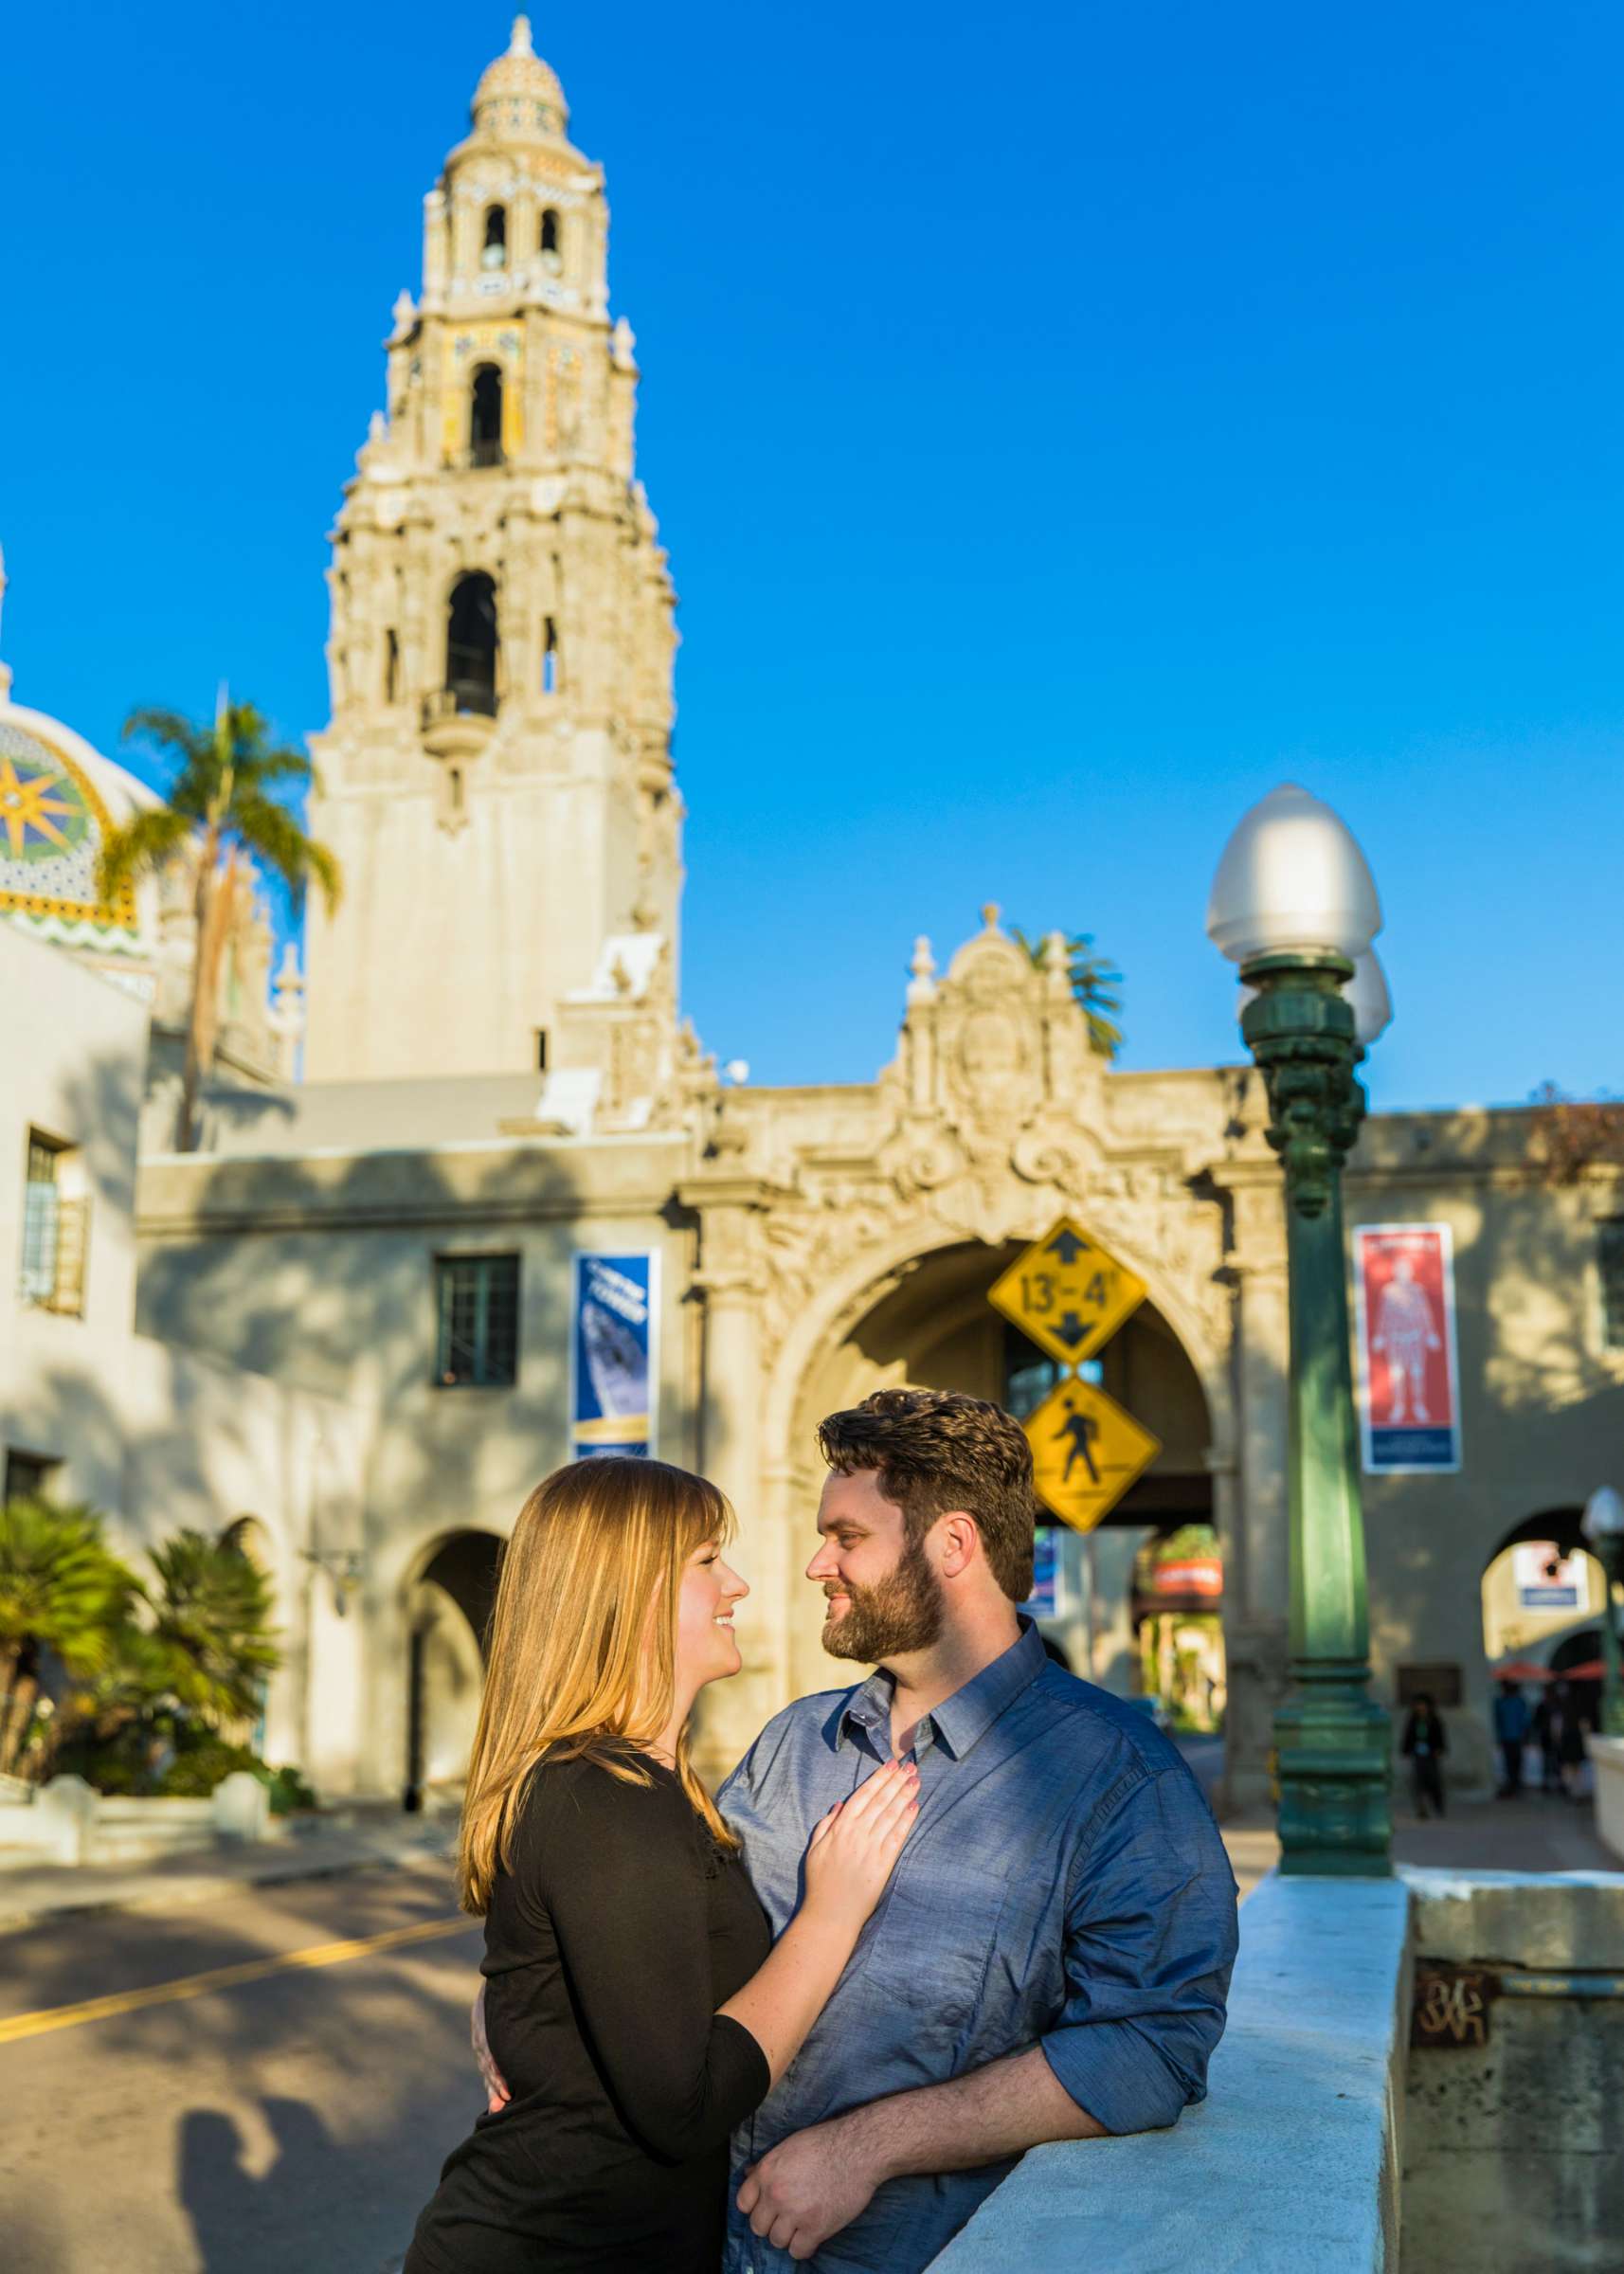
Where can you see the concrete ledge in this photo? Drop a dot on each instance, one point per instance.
(1607, 1765)
(1293, 2160)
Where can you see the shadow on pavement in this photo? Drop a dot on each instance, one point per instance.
(226, 2203)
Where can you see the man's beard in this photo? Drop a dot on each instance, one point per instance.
(902, 1612)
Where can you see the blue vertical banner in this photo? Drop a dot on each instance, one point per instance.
(1042, 1602)
(614, 1372)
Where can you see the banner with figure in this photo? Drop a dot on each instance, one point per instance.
(614, 1377)
(1409, 1388)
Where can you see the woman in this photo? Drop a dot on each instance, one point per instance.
(632, 2000)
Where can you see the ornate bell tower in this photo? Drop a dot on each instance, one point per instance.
(496, 779)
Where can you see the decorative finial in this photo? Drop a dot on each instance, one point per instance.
(1056, 964)
(520, 43)
(922, 987)
(990, 915)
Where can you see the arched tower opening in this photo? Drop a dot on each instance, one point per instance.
(471, 641)
(485, 415)
(550, 240)
(494, 252)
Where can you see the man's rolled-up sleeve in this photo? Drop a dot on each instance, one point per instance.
(1150, 1942)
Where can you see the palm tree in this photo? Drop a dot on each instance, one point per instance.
(211, 1613)
(220, 804)
(62, 1589)
(1093, 983)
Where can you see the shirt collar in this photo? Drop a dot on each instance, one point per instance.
(962, 1721)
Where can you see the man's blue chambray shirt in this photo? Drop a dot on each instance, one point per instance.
(1065, 1885)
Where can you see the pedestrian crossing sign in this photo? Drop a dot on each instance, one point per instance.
(1086, 1452)
(1067, 1293)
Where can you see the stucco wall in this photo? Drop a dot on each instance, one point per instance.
(319, 1269)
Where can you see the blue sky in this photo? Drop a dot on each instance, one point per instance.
(1066, 423)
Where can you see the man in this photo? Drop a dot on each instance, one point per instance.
(1510, 1732)
(1052, 1957)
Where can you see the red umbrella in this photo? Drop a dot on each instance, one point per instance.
(1522, 1670)
(1594, 1669)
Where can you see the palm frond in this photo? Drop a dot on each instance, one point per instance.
(195, 782)
(259, 768)
(273, 835)
(147, 842)
(1093, 983)
(172, 729)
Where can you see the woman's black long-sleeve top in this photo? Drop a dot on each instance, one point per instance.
(615, 1933)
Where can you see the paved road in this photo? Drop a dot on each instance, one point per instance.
(292, 2123)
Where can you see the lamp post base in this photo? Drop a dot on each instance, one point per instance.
(1335, 1767)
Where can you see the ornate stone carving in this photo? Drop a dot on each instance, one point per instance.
(990, 1122)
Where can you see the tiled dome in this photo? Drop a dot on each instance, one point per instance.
(518, 94)
(52, 821)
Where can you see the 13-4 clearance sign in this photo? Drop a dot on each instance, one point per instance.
(1067, 1293)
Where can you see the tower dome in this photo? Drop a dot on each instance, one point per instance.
(518, 94)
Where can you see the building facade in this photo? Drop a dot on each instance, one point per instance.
(496, 1080)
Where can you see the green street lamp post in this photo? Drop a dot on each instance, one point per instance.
(1602, 1525)
(1294, 906)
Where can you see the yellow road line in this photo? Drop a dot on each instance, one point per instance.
(225, 1977)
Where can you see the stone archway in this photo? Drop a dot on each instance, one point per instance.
(930, 1323)
(822, 1215)
(447, 1608)
(1523, 1593)
(847, 1329)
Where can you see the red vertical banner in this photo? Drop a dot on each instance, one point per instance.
(1409, 1388)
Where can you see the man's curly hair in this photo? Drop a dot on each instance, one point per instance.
(937, 1451)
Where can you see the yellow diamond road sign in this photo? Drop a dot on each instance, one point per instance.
(1086, 1451)
(1067, 1293)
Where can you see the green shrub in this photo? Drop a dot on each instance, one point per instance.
(194, 1771)
(287, 1788)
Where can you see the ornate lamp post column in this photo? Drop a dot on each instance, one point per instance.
(1294, 906)
(1602, 1525)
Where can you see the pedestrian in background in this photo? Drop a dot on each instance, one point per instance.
(1543, 1731)
(1510, 1728)
(1424, 1745)
(1565, 1737)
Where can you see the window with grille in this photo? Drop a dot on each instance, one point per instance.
(1610, 1257)
(477, 1302)
(56, 1217)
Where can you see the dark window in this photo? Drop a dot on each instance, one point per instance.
(1438, 1681)
(550, 231)
(495, 252)
(541, 1050)
(28, 1475)
(392, 666)
(485, 417)
(477, 1302)
(1610, 1256)
(548, 656)
(471, 643)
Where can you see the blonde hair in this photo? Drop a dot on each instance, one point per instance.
(597, 1545)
